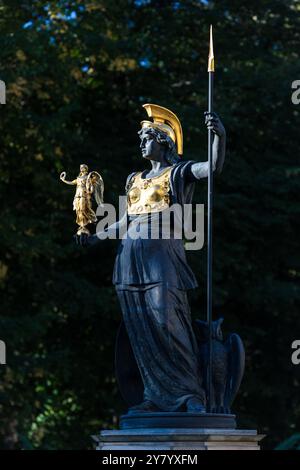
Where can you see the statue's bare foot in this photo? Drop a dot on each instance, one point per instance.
(195, 405)
(145, 407)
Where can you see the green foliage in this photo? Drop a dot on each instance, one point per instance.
(75, 85)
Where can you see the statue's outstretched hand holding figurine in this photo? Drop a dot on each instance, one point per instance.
(86, 240)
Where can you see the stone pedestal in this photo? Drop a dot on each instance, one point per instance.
(177, 420)
(178, 439)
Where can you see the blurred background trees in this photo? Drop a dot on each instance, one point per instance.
(77, 73)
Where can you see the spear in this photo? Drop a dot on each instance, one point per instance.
(211, 70)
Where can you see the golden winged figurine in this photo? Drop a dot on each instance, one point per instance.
(86, 184)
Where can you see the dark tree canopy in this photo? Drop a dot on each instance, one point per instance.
(77, 73)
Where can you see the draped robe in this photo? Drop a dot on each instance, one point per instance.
(151, 277)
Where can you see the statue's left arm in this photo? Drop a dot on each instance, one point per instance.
(200, 169)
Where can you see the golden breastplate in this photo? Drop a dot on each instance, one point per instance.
(146, 195)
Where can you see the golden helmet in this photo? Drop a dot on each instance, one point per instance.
(165, 121)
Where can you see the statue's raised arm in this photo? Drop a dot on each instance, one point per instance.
(213, 122)
(62, 177)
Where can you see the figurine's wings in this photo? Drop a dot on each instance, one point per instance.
(95, 185)
(236, 367)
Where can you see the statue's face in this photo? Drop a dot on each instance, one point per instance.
(151, 149)
(83, 169)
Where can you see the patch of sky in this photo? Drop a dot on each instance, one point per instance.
(67, 16)
(141, 3)
(144, 62)
(27, 25)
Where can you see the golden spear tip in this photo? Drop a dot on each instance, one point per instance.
(211, 59)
